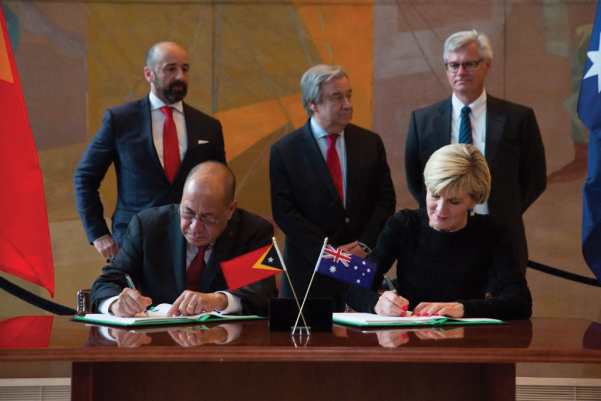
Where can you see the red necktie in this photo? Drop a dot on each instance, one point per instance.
(170, 144)
(194, 273)
(333, 162)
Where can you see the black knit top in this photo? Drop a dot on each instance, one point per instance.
(438, 266)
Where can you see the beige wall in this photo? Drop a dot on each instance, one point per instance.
(76, 59)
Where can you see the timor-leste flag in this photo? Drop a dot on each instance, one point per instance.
(24, 233)
(251, 267)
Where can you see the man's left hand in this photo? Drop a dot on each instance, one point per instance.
(355, 249)
(194, 303)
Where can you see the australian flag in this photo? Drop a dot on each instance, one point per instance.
(346, 267)
(589, 110)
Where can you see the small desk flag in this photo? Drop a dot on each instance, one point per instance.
(589, 110)
(251, 267)
(346, 267)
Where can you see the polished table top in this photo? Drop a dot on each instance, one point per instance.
(56, 338)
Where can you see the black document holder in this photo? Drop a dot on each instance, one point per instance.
(284, 311)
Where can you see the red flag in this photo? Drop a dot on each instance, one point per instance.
(26, 332)
(251, 267)
(24, 234)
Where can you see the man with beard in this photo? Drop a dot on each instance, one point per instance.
(153, 142)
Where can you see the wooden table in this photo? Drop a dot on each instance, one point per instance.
(449, 363)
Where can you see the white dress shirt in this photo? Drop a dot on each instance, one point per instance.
(320, 136)
(478, 121)
(158, 120)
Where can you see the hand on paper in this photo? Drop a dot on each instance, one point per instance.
(130, 339)
(192, 337)
(106, 247)
(390, 304)
(194, 303)
(354, 248)
(129, 303)
(451, 309)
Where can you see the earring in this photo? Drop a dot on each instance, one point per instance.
(471, 211)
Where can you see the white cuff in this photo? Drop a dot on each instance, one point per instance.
(105, 306)
(234, 304)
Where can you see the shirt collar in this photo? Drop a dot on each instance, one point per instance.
(156, 103)
(478, 106)
(318, 131)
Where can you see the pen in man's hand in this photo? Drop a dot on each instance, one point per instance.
(131, 285)
(391, 288)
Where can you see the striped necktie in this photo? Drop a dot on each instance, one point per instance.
(465, 126)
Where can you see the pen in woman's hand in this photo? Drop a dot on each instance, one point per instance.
(391, 288)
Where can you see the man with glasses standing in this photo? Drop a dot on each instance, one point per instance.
(507, 134)
(172, 253)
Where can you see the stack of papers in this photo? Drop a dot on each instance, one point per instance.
(369, 319)
(158, 315)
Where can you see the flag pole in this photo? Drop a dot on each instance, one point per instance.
(277, 249)
(325, 242)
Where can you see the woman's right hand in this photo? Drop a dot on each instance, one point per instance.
(390, 304)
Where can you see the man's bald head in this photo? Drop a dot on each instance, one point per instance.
(215, 175)
(207, 203)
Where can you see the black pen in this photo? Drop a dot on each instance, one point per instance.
(391, 288)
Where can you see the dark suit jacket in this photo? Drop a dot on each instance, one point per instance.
(154, 255)
(125, 139)
(307, 207)
(514, 152)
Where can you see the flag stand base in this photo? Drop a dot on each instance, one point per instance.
(284, 311)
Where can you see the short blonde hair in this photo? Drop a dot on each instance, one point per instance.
(456, 168)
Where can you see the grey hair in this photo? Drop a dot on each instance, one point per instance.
(458, 168)
(311, 88)
(460, 39)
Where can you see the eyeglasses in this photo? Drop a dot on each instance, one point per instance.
(468, 65)
(206, 220)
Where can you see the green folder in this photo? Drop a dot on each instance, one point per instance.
(371, 320)
(158, 316)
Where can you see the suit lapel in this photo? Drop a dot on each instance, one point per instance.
(178, 251)
(353, 154)
(321, 172)
(144, 123)
(192, 130)
(442, 125)
(495, 125)
(220, 253)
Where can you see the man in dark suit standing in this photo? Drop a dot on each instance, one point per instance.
(329, 179)
(505, 132)
(173, 253)
(153, 142)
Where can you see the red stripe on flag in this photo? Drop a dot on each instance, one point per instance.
(24, 234)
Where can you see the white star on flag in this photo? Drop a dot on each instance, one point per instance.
(270, 260)
(595, 69)
(332, 269)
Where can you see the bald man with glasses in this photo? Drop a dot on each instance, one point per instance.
(505, 132)
(173, 253)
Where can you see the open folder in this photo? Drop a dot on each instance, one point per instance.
(369, 319)
(158, 315)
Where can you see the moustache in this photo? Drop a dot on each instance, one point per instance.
(178, 83)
